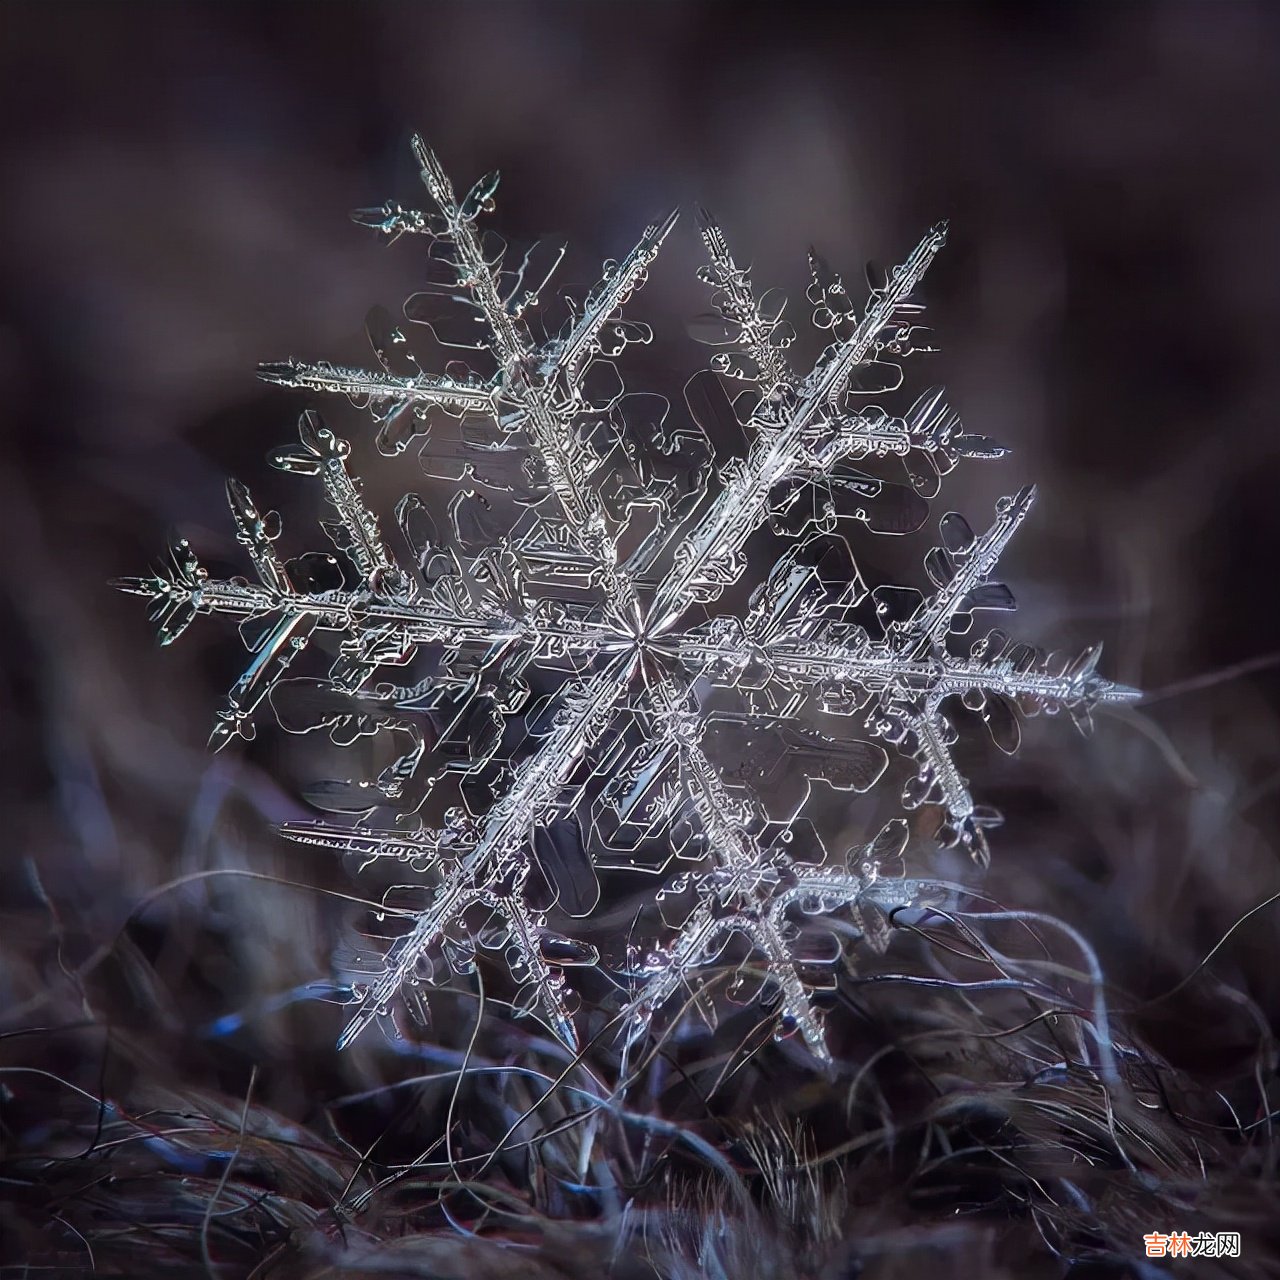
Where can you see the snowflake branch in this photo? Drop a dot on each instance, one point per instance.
(495, 865)
(795, 436)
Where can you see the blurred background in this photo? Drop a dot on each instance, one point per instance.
(177, 179)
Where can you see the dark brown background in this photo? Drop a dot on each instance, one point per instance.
(176, 180)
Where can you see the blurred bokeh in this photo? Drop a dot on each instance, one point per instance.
(176, 182)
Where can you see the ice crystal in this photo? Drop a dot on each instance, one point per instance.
(573, 696)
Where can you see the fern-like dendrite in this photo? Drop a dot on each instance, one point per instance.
(546, 643)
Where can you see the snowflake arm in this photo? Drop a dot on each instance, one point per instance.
(830, 377)
(475, 273)
(795, 642)
(804, 434)
(735, 897)
(356, 532)
(700, 944)
(837, 672)
(760, 907)
(537, 390)
(383, 393)
(569, 358)
(553, 433)
(384, 617)
(757, 341)
(489, 865)
(959, 570)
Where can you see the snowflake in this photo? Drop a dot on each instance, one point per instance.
(571, 699)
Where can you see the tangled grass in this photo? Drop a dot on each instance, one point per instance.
(994, 1109)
